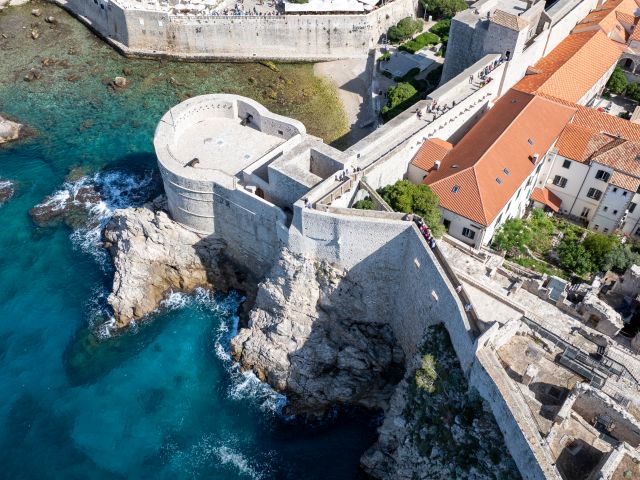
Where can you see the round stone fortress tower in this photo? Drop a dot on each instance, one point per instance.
(205, 147)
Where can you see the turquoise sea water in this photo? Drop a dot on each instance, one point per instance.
(163, 400)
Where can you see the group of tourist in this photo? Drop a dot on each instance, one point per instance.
(426, 232)
(344, 174)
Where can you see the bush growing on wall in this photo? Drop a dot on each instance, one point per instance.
(633, 92)
(407, 197)
(404, 29)
(365, 204)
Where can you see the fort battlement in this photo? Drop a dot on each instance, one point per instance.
(148, 32)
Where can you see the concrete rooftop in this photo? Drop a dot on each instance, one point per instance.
(223, 144)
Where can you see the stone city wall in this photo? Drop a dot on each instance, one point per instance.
(278, 37)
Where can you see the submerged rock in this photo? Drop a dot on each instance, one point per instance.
(305, 339)
(9, 130)
(73, 206)
(6, 190)
(154, 255)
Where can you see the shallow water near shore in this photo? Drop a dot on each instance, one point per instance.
(163, 400)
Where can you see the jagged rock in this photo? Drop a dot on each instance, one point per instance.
(154, 255)
(35, 33)
(305, 339)
(36, 12)
(51, 19)
(9, 130)
(6, 190)
(71, 206)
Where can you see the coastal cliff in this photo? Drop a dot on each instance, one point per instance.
(154, 255)
(305, 337)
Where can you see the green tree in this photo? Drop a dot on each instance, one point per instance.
(513, 237)
(621, 258)
(443, 8)
(617, 81)
(407, 197)
(404, 29)
(633, 92)
(365, 204)
(599, 245)
(442, 28)
(427, 375)
(575, 258)
(401, 97)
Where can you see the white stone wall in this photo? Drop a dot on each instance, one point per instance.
(290, 37)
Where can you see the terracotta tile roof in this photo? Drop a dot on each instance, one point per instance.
(635, 34)
(432, 150)
(509, 20)
(500, 146)
(609, 17)
(573, 67)
(625, 181)
(546, 197)
(594, 136)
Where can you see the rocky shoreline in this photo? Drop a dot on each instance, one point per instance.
(154, 256)
(301, 334)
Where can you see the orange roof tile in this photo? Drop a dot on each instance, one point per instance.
(609, 16)
(546, 197)
(500, 146)
(432, 150)
(625, 181)
(635, 34)
(573, 67)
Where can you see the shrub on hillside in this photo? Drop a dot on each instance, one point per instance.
(404, 29)
(427, 375)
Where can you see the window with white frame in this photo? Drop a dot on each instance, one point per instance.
(603, 175)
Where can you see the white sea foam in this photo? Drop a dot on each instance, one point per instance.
(117, 190)
(229, 456)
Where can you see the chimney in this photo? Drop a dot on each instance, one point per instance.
(534, 158)
(436, 165)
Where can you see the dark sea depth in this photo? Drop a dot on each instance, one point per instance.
(164, 400)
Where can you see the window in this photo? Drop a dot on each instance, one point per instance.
(566, 164)
(529, 181)
(605, 208)
(637, 231)
(455, 188)
(615, 212)
(632, 207)
(615, 189)
(624, 193)
(506, 171)
(602, 175)
(560, 181)
(596, 227)
(498, 181)
(540, 166)
(594, 193)
(605, 230)
(585, 212)
(467, 232)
